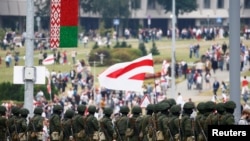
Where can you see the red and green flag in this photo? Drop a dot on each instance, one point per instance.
(64, 23)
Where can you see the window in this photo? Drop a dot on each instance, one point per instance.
(136, 4)
(207, 4)
(247, 4)
(151, 4)
(220, 3)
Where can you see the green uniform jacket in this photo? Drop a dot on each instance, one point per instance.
(121, 124)
(79, 122)
(3, 128)
(55, 123)
(135, 123)
(106, 126)
(92, 125)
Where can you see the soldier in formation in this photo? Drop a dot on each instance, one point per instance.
(35, 126)
(164, 121)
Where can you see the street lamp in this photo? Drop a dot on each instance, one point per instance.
(208, 20)
(101, 55)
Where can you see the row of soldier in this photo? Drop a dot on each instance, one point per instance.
(164, 121)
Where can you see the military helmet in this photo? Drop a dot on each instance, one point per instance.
(92, 109)
(15, 110)
(136, 110)
(124, 109)
(230, 105)
(2, 110)
(175, 109)
(220, 107)
(38, 110)
(24, 111)
(107, 111)
(163, 106)
(69, 113)
(188, 105)
(201, 107)
(150, 107)
(171, 101)
(210, 105)
(81, 108)
(57, 108)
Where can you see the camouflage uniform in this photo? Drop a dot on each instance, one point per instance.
(220, 113)
(67, 125)
(174, 122)
(163, 120)
(210, 109)
(3, 126)
(106, 125)
(79, 122)
(22, 125)
(35, 126)
(121, 123)
(200, 122)
(11, 123)
(92, 125)
(187, 124)
(228, 117)
(134, 123)
(148, 128)
(55, 123)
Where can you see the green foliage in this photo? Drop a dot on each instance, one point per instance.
(123, 44)
(95, 45)
(124, 55)
(2, 34)
(142, 48)
(154, 50)
(10, 91)
(182, 6)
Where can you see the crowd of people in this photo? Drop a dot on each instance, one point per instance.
(165, 120)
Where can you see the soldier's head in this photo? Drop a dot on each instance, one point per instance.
(91, 109)
(57, 109)
(210, 106)
(69, 113)
(81, 109)
(164, 107)
(24, 112)
(136, 110)
(220, 108)
(171, 101)
(150, 109)
(230, 106)
(188, 108)
(124, 110)
(175, 110)
(15, 110)
(108, 111)
(2, 110)
(38, 111)
(201, 107)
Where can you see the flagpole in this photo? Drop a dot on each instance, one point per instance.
(172, 95)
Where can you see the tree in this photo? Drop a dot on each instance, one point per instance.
(154, 50)
(182, 6)
(108, 9)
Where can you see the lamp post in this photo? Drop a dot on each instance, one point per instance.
(101, 55)
(208, 21)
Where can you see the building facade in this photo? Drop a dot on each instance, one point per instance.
(149, 14)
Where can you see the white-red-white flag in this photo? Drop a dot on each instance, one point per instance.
(128, 76)
(49, 60)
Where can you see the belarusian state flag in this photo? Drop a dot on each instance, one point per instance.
(64, 23)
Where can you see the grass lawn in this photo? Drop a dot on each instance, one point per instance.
(164, 46)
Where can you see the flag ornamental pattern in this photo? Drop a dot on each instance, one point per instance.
(128, 76)
(63, 23)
